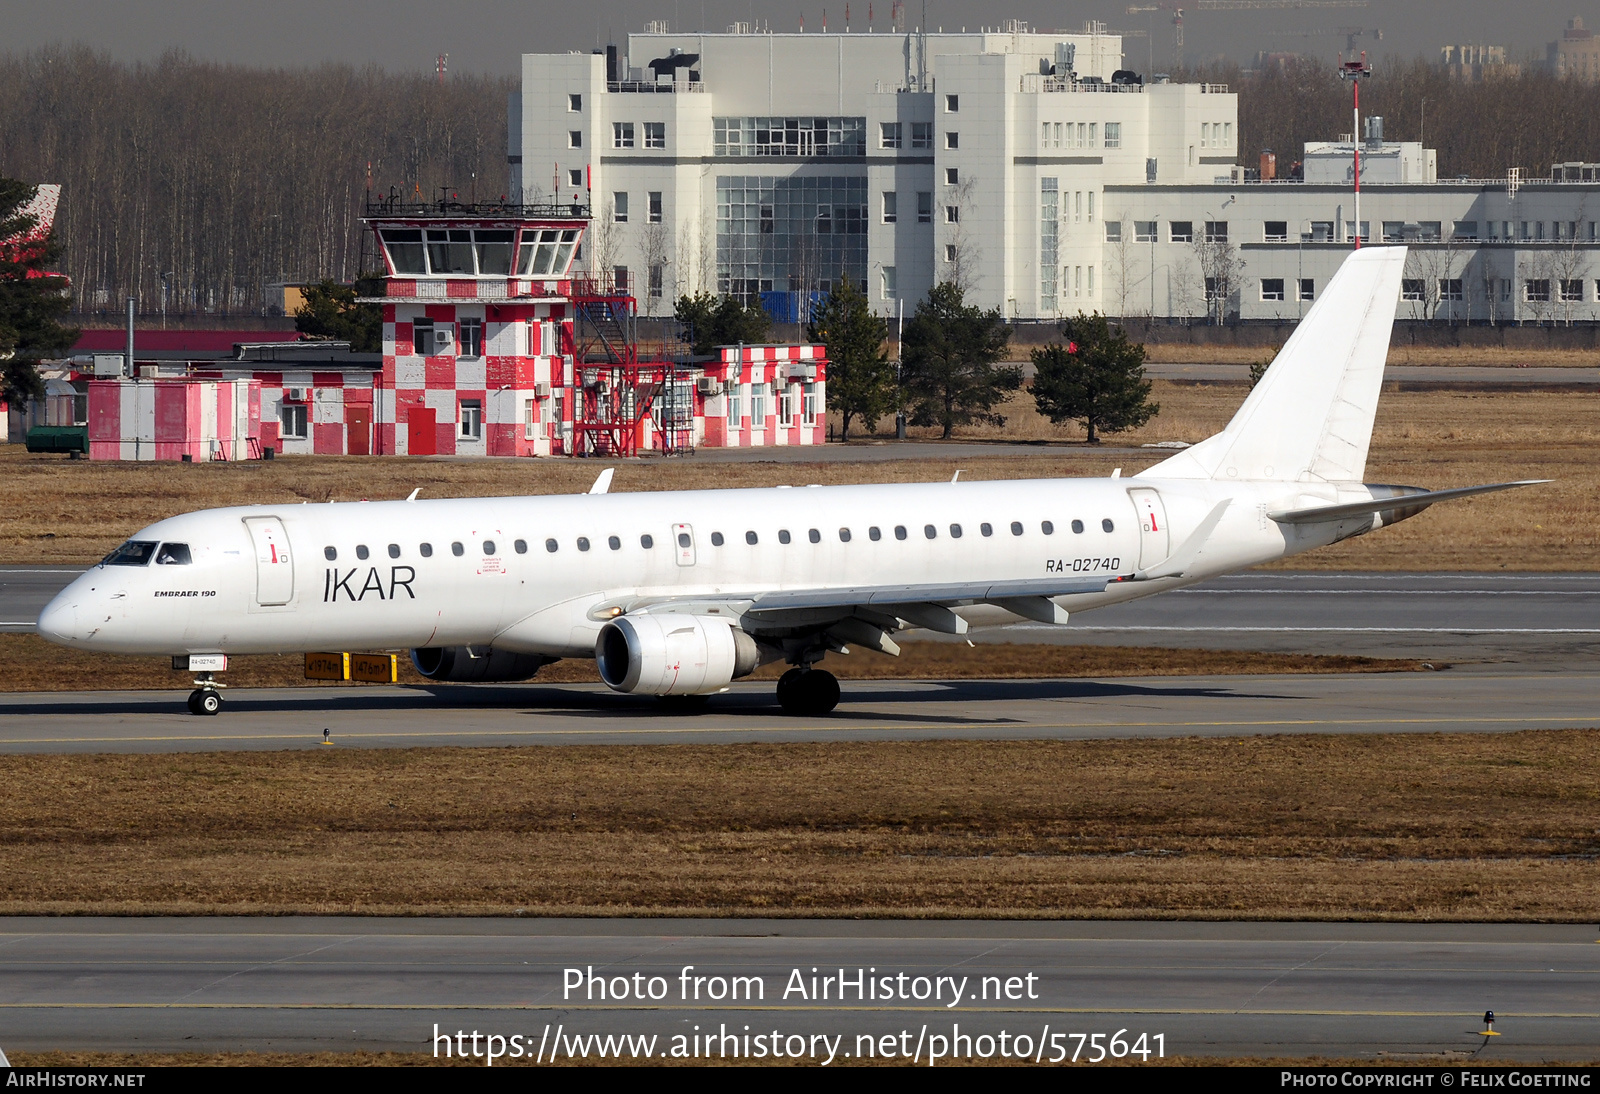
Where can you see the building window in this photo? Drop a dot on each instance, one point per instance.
(1536, 291)
(952, 176)
(1216, 231)
(1394, 231)
(889, 135)
(1044, 134)
(1049, 228)
(574, 138)
(471, 338)
(423, 343)
(759, 394)
(621, 134)
(1113, 134)
(786, 407)
(655, 134)
(619, 278)
(952, 104)
(653, 206)
(471, 419)
(808, 410)
(890, 206)
(952, 139)
(619, 207)
(921, 135)
(949, 252)
(657, 279)
(530, 419)
(1308, 289)
(1450, 288)
(1413, 288)
(1090, 290)
(891, 288)
(575, 176)
(924, 207)
(1465, 230)
(1144, 231)
(292, 421)
(574, 104)
(1180, 231)
(1430, 231)
(1571, 290)
(1094, 134)
(952, 214)
(1276, 231)
(1366, 231)
(1272, 288)
(1113, 231)
(742, 138)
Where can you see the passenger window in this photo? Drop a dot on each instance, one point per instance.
(955, 531)
(844, 535)
(614, 543)
(457, 550)
(1077, 526)
(552, 546)
(331, 554)
(930, 531)
(874, 533)
(425, 550)
(1106, 525)
(520, 546)
(173, 554)
(814, 536)
(1047, 528)
(899, 531)
(488, 547)
(583, 542)
(1016, 527)
(716, 539)
(683, 541)
(783, 535)
(394, 550)
(647, 541)
(751, 538)
(986, 529)
(361, 550)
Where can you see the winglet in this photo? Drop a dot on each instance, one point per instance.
(602, 484)
(1188, 552)
(413, 495)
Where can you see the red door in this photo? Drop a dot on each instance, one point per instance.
(358, 429)
(421, 440)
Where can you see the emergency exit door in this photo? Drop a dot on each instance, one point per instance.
(274, 567)
(1154, 542)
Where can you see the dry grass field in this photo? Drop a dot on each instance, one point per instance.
(1406, 827)
(61, 511)
(1399, 354)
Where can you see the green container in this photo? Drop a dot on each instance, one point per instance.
(59, 438)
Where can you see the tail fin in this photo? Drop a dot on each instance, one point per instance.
(1310, 417)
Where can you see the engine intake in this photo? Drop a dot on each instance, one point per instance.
(673, 654)
(467, 665)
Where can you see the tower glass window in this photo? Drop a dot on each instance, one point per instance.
(789, 234)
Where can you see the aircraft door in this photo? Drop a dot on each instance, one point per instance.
(683, 542)
(1154, 542)
(274, 567)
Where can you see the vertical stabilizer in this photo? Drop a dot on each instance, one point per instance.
(1310, 417)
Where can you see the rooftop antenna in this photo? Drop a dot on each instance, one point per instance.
(1356, 71)
(443, 65)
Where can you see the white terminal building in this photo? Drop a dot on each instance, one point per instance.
(1029, 167)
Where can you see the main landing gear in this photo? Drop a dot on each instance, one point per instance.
(205, 699)
(808, 691)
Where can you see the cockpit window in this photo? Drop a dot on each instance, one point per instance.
(135, 552)
(173, 554)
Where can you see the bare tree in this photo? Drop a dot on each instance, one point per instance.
(1123, 264)
(654, 242)
(1220, 271)
(962, 261)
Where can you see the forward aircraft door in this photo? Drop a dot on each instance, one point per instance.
(1154, 542)
(274, 568)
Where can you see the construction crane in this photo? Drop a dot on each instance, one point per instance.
(1351, 34)
(1177, 8)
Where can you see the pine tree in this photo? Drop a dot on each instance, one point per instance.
(712, 321)
(1096, 378)
(31, 300)
(330, 311)
(861, 381)
(949, 362)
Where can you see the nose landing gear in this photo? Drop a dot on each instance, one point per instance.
(205, 699)
(808, 691)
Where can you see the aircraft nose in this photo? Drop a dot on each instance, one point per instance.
(59, 620)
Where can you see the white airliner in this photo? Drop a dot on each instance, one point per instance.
(680, 593)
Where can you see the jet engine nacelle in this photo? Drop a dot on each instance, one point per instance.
(475, 665)
(673, 654)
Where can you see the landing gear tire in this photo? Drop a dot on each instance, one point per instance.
(808, 691)
(204, 701)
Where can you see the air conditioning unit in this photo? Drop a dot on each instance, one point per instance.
(443, 338)
(708, 385)
(296, 394)
(803, 371)
(541, 391)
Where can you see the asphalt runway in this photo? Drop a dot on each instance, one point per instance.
(1236, 989)
(1210, 706)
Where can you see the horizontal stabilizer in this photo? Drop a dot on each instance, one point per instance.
(1327, 513)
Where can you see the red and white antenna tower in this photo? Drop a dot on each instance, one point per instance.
(443, 65)
(1355, 72)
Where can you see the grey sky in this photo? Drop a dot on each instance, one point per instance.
(488, 35)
